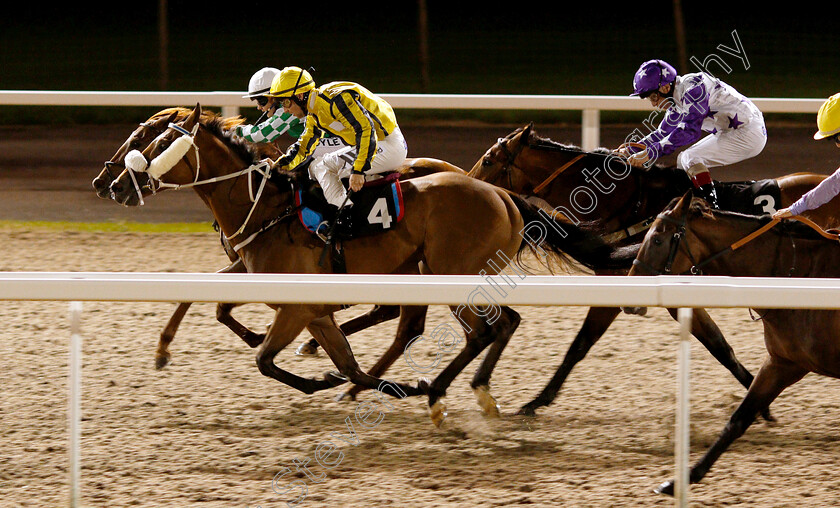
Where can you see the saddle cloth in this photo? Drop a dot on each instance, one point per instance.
(754, 197)
(377, 208)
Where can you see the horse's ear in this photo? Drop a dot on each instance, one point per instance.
(526, 132)
(192, 120)
(684, 203)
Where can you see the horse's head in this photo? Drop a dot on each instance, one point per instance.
(170, 159)
(498, 165)
(138, 140)
(671, 245)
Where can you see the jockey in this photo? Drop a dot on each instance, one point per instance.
(364, 121)
(696, 104)
(277, 123)
(828, 123)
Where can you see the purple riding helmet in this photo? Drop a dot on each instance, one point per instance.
(651, 75)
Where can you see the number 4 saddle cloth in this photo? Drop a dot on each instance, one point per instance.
(377, 208)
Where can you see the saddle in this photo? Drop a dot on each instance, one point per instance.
(753, 197)
(377, 208)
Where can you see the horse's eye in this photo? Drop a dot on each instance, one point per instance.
(486, 162)
(657, 241)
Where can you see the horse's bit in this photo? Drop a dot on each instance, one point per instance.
(165, 161)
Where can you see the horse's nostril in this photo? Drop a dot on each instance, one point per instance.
(116, 186)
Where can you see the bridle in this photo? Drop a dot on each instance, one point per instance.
(511, 162)
(697, 266)
(156, 131)
(176, 152)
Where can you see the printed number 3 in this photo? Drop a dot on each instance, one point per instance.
(768, 204)
(379, 213)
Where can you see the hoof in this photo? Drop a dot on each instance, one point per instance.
(437, 412)
(161, 362)
(254, 339)
(306, 349)
(423, 385)
(768, 417)
(527, 410)
(345, 396)
(666, 488)
(639, 311)
(335, 378)
(486, 401)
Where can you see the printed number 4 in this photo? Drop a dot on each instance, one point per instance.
(379, 213)
(768, 204)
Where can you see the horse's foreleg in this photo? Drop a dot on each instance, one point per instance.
(378, 314)
(412, 323)
(162, 355)
(481, 380)
(224, 316)
(773, 377)
(708, 333)
(598, 319)
(335, 344)
(289, 321)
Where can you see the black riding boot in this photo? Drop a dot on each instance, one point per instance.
(708, 193)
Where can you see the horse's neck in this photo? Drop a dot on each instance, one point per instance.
(766, 255)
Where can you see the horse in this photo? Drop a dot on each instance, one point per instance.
(691, 238)
(570, 181)
(449, 215)
(143, 135)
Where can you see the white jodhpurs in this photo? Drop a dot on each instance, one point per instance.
(725, 148)
(333, 166)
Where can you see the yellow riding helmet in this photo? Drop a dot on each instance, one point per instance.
(291, 81)
(828, 119)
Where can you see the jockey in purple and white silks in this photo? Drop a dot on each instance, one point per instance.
(696, 105)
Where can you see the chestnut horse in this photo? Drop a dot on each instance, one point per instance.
(571, 181)
(143, 135)
(692, 238)
(448, 216)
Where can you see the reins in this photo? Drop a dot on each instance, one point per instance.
(696, 268)
(262, 168)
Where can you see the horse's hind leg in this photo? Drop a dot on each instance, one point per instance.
(481, 380)
(162, 355)
(598, 319)
(480, 334)
(708, 333)
(412, 323)
(773, 377)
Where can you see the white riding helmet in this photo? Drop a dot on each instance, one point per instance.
(260, 83)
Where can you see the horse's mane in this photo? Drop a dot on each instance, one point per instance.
(675, 179)
(181, 113)
(221, 128)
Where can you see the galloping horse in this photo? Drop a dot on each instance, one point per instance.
(690, 237)
(145, 133)
(602, 189)
(454, 225)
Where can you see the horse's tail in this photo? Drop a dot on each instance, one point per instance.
(544, 234)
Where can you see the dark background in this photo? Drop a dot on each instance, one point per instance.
(49, 155)
(473, 47)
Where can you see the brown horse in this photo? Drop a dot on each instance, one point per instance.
(601, 189)
(143, 135)
(691, 238)
(449, 215)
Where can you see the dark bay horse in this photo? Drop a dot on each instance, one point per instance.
(145, 133)
(449, 215)
(601, 189)
(692, 238)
